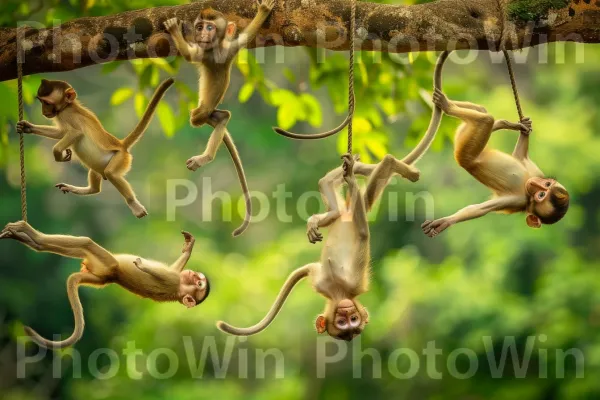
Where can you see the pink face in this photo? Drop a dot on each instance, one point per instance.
(193, 288)
(539, 188)
(206, 34)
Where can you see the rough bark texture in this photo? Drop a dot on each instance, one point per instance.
(444, 24)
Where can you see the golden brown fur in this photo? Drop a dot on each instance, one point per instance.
(79, 131)
(146, 278)
(213, 52)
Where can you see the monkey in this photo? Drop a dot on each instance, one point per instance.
(518, 185)
(343, 272)
(213, 52)
(146, 278)
(77, 129)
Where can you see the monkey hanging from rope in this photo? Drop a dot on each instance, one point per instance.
(79, 131)
(213, 52)
(146, 278)
(343, 272)
(516, 181)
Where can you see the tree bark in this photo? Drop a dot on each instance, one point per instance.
(440, 25)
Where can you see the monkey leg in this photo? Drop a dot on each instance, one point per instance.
(329, 187)
(96, 259)
(114, 172)
(201, 115)
(472, 136)
(94, 185)
(470, 106)
(219, 120)
(382, 174)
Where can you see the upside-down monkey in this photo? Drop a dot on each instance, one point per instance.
(516, 181)
(78, 128)
(343, 272)
(213, 51)
(146, 278)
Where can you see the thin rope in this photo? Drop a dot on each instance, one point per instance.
(351, 101)
(513, 82)
(21, 140)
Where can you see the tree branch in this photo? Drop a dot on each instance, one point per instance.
(444, 24)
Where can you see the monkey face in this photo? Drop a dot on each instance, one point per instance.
(55, 96)
(345, 321)
(549, 201)
(194, 288)
(207, 33)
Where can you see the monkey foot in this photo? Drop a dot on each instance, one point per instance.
(413, 174)
(63, 187)
(197, 162)
(138, 209)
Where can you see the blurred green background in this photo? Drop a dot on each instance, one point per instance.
(473, 291)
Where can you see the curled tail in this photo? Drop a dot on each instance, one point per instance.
(72, 286)
(436, 117)
(316, 135)
(237, 161)
(141, 127)
(289, 284)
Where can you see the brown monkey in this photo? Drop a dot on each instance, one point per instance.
(78, 128)
(213, 52)
(149, 279)
(344, 269)
(517, 183)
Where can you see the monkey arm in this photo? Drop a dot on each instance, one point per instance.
(63, 144)
(357, 205)
(51, 132)
(479, 210)
(148, 270)
(504, 124)
(191, 52)
(186, 253)
(249, 34)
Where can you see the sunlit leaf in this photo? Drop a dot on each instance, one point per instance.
(246, 92)
(167, 118)
(121, 96)
(140, 104)
(287, 115)
(312, 108)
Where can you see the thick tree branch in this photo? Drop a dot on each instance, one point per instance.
(444, 24)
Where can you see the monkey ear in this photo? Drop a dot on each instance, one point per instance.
(533, 221)
(188, 301)
(70, 95)
(321, 324)
(231, 29)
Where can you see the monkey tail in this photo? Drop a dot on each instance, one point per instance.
(73, 283)
(289, 284)
(237, 161)
(323, 135)
(436, 117)
(141, 127)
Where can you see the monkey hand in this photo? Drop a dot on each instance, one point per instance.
(434, 228)
(348, 165)
(19, 230)
(24, 127)
(188, 246)
(64, 187)
(198, 162)
(172, 25)
(441, 100)
(266, 5)
(526, 126)
(65, 156)
(312, 230)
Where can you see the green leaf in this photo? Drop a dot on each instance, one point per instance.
(312, 108)
(167, 118)
(246, 92)
(140, 104)
(121, 96)
(287, 115)
(146, 78)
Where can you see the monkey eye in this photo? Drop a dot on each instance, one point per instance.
(542, 195)
(354, 318)
(199, 27)
(201, 284)
(209, 27)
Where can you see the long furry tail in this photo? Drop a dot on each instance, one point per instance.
(436, 117)
(141, 127)
(237, 161)
(289, 284)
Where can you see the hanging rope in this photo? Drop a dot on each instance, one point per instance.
(513, 82)
(351, 101)
(21, 140)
